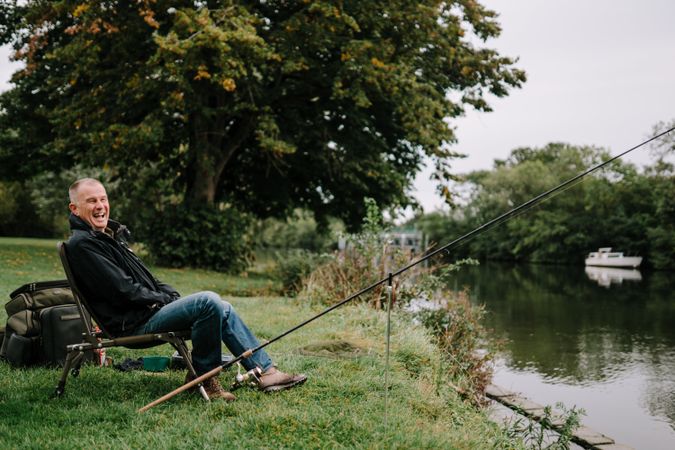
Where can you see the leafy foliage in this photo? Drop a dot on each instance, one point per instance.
(661, 234)
(18, 217)
(366, 259)
(617, 207)
(298, 230)
(201, 237)
(294, 265)
(270, 105)
(457, 327)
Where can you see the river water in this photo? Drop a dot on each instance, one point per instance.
(600, 340)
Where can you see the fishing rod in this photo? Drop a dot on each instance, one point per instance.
(446, 248)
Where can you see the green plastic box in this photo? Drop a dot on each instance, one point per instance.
(156, 363)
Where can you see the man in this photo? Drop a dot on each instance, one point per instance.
(129, 300)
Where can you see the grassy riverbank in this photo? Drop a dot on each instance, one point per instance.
(341, 405)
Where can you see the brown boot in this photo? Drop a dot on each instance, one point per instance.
(213, 388)
(273, 380)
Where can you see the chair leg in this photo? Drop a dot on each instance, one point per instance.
(202, 391)
(73, 356)
(183, 351)
(76, 364)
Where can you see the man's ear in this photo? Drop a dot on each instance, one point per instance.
(73, 208)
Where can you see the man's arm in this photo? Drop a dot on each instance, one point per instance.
(168, 290)
(99, 272)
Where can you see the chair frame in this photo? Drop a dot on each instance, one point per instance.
(93, 339)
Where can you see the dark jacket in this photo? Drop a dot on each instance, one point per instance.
(118, 287)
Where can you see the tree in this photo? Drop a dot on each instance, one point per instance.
(662, 232)
(663, 149)
(266, 105)
(617, 207)
(276, 103)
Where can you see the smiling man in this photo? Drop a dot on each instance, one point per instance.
(129, 300)
(89, 202)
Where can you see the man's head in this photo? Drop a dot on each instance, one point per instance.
(89, 201)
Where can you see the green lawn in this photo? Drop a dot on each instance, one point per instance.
(340, 406)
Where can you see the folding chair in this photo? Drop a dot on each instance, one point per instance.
(93, 339)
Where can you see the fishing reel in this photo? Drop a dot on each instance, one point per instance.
(252, 377)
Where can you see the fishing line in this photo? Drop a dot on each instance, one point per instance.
(446, 248)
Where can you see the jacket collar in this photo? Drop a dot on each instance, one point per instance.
(119, 231)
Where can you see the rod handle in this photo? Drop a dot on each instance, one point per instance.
(182, 388)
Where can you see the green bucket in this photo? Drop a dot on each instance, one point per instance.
(156, 363)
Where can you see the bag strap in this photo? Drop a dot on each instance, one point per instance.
(39, 286)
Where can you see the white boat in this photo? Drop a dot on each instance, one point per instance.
(607, 258)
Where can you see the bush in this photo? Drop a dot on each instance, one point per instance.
(293, 266)
(367, 258)
(8, 203)
(460, 335)
(204, 237)
(299, 230)
(18, 216)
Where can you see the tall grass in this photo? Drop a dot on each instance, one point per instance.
(341, 405)
(454, 322)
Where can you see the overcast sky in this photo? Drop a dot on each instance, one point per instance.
(600, 72)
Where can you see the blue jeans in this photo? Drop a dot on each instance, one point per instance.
(211, 320)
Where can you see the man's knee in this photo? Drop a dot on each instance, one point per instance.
(213, 302)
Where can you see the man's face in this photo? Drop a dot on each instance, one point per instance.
(92, 206)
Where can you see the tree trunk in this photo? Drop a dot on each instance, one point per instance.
(202, 177)
(203, 188)
(213, 148)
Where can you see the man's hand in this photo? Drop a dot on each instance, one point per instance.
(156, 306)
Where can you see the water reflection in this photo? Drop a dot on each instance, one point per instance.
(606, 276)
(659, 395)
(587, 331)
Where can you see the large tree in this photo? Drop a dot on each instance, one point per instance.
(269, 103)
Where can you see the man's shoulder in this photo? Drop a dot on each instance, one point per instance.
(81, 240)
(77, 237)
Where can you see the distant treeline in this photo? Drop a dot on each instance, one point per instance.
(632, 211)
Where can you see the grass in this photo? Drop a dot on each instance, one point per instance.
(340, 406)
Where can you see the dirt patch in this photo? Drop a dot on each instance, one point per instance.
(333, 349)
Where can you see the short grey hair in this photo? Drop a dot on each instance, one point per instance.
(72, 190)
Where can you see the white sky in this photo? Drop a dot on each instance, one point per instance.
(600, 72)
(7, 67)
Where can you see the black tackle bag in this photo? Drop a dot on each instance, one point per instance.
(42, 318)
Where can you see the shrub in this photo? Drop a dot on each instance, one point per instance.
(456, 326)
(204, 237)
(299, 230)
(8, 203)
(367, 258)
(293, 266)
(18, 216)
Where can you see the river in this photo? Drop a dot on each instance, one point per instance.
(603, 341)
